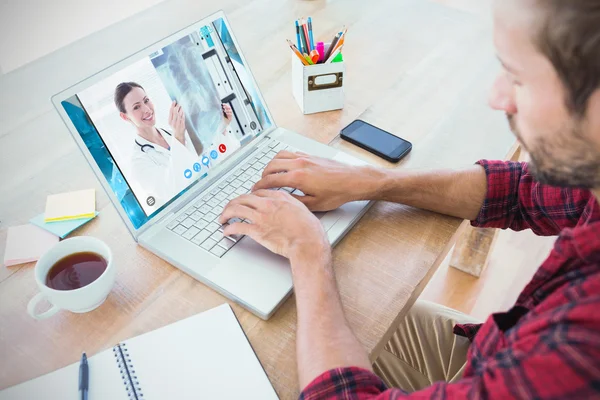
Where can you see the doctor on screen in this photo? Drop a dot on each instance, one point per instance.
(164, 162)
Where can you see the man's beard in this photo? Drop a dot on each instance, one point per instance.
(582, 170)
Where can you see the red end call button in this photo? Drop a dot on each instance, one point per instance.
(222, 148)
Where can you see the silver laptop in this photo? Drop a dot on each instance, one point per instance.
(174, 133)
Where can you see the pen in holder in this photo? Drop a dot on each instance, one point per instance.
(318, 87)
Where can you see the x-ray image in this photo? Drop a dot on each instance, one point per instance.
(183, 72)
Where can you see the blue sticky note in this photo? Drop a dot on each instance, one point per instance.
(61, 228)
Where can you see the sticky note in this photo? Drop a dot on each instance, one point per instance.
(27, 243)
(60, 228)
(71, 205)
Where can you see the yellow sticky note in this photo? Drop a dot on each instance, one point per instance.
(72, 205)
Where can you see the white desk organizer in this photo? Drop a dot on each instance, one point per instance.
(318, 87)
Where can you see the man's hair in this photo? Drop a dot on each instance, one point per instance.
(569, 36)
(123, 90)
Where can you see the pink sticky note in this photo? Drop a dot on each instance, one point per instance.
(27, 243)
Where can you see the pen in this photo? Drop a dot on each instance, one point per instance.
(341, 40)
(298, 35)
(332, 45)
(298, 54)
(84, 377)
(310, 34)
(305, 30)
(304, 46)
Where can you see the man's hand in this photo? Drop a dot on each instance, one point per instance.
(277, 221)
(326, 184)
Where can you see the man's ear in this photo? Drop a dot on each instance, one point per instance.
(124, 116)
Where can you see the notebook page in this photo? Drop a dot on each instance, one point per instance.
(206, 356)
(63, 384)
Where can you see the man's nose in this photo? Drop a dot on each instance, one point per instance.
(502, 95)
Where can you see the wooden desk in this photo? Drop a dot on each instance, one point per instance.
(416, 68)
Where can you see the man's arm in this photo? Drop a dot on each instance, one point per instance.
(494, 194)
(284, 226)
(553, 356)
(459, 193)
(328, 184)
(324, 340)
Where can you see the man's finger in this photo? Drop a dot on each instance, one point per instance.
(303, 199)
(240, 228)
(284, 154)
(248, 200)
(237, 211)
(275, 181)
(171, 112)
(268, 193)
(278, 165)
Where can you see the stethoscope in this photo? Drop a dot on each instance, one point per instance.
(144, 147)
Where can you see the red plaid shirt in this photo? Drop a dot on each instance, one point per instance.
(548, 345)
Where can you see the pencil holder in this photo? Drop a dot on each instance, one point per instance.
(318, 87)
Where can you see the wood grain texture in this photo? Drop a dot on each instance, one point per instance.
(472, 251)
(416, 68)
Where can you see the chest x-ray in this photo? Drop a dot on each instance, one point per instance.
(187, 80)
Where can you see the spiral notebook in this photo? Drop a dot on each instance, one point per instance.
(206, 356)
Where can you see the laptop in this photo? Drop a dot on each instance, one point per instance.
(176, 131)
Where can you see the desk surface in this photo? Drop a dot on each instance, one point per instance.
(419, 69)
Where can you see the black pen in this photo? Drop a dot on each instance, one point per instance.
(84, 377)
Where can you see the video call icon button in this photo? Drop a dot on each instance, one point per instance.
(187, 173)
(197, 167)
(214, 154)
(222, 148)
(205, 160)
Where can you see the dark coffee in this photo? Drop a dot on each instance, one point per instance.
(76, 271)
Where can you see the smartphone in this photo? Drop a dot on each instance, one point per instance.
(377, 141)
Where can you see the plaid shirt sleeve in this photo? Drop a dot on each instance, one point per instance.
(516, 201)
(527, 370)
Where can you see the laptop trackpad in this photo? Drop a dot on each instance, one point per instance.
(328, 219)
(254, 275)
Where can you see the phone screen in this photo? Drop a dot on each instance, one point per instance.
(376, 139)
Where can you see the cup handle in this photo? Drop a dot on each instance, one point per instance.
(33, 302)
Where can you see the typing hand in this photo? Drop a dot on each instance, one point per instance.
(326, 184)
(277, 221)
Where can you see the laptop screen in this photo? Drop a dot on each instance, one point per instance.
(158, 125)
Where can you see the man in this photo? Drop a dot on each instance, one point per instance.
(548, 344)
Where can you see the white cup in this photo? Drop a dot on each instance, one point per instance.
(79, 300)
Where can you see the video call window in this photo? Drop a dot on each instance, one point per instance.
(158, 125)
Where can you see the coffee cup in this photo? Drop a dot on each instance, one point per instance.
(62, 291)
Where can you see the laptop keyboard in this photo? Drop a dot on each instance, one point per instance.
(199, 222)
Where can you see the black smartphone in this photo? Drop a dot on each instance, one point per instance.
(377, 141)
